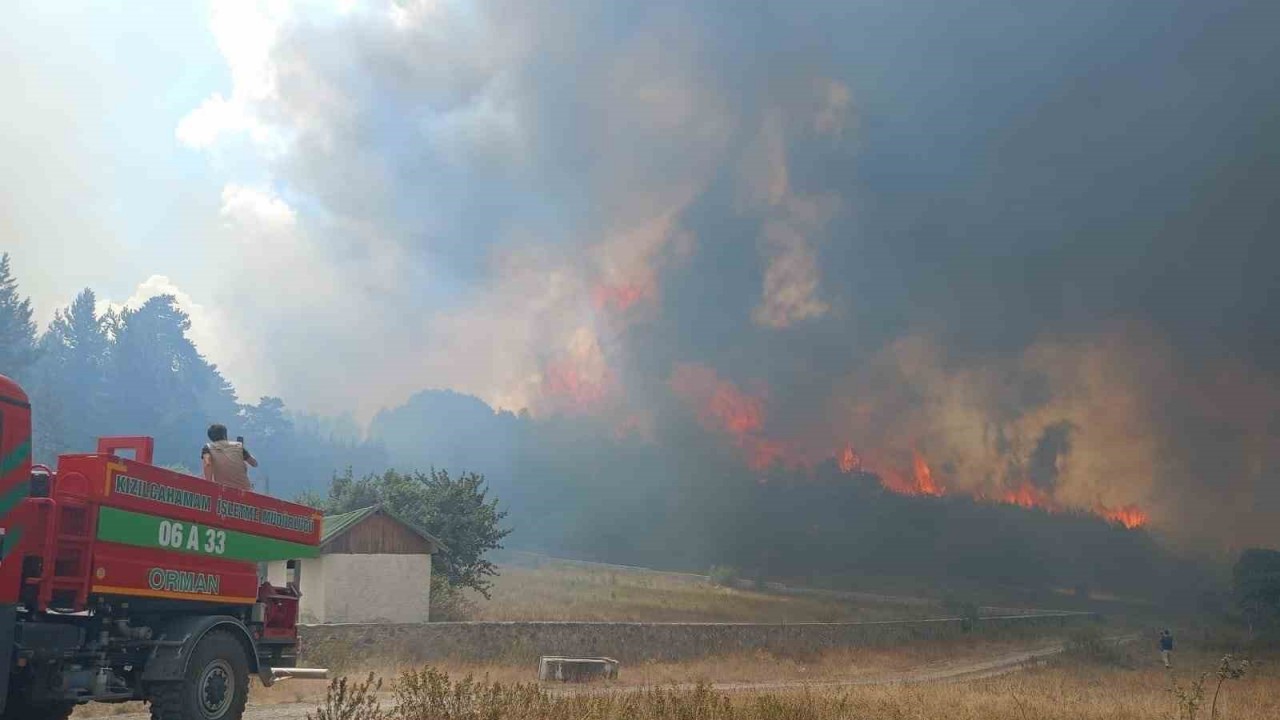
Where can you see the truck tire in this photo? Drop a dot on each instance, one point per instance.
(214, 687)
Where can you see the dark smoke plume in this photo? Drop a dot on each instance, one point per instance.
(1018, 252)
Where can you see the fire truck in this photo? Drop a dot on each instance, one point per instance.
(124, 581)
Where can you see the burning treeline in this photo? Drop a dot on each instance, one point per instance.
(1029, 470)
(1103, 425)
(1030, 435)
(1114, 422)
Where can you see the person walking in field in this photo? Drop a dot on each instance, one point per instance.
(1166, 647)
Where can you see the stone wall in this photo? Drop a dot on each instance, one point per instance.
(340, 646)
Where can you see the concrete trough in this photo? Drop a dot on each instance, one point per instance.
(554, 668)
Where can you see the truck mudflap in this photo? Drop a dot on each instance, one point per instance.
(168, 661)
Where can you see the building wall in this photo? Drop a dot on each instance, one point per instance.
(311, 608)
(338, 588)
(390, 588)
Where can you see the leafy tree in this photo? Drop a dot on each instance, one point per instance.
(455, 510)
(1256, 583)
(347, 493)
(17, 329)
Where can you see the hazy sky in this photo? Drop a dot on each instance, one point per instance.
(95, 189)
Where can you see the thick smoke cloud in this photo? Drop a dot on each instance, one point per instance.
(1026, 242)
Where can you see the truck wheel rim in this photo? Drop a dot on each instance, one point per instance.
(216, 689)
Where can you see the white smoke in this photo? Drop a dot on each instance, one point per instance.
(421, 141)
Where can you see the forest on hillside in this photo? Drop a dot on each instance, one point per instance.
(677, 500)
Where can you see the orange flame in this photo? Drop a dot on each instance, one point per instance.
(721, 405)
(565, 380)
(736, 412)
(919, 481)
(1130, 516)
(579, 380)
(1029, 496)
(848, 460)
(924, 476)
(897, 482)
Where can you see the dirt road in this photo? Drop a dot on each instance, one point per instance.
(961, 671)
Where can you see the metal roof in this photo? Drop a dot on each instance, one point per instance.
(333, 526)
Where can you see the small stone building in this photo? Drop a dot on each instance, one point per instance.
(373, 568)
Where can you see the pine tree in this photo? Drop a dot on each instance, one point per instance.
(17, 329)
(70, 378)
(160, 385)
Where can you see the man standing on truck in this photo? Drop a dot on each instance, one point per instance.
(226, 462)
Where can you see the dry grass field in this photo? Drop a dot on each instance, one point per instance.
(1129, 686)
(941, 680)
(567, 591)
(903, 682)
(850, 665)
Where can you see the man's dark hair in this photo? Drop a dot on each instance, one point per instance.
(217, 432)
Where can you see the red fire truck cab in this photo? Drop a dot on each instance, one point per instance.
(121, 580)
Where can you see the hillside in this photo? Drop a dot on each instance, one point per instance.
(536, 587)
